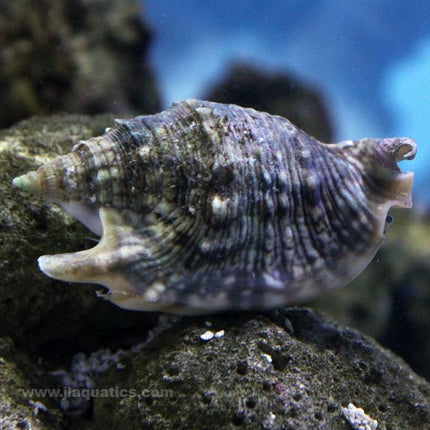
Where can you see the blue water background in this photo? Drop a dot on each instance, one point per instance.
(371, 59)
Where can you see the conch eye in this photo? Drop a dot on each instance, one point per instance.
(388, 221)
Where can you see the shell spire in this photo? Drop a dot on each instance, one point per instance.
(82, 180)
(208, 207)
(50, 180)
(74, 176)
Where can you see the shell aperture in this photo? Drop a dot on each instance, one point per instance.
(208, 207)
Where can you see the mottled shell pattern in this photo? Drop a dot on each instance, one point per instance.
(208, 207)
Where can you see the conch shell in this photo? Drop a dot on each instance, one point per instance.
(208, 207)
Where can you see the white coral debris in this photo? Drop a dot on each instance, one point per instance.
(268, 357)
(207, 335)
(83, 374)
(219, 334)
(38, 406)
(358, 419)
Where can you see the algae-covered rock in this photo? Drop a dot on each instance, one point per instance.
(48, 318)
(20, 408)
(288, 369)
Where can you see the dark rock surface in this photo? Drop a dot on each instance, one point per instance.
(19, 409)
(287, 369)
(76, 56)
(276, 93)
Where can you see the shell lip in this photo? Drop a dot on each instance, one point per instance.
(403, 188)
(397, 184)
(400, 195)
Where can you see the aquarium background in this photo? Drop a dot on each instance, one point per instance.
(370, 60)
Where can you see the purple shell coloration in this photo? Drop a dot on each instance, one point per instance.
(208, 207)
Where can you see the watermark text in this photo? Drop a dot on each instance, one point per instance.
(65, 393)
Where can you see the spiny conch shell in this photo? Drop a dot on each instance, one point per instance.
(208, 207)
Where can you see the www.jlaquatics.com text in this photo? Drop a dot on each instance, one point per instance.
(88, 393)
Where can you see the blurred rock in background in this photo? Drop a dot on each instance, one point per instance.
(275, 93)
(85, 56)
(390, 300)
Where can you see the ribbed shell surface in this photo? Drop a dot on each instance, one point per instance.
(212, 207)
